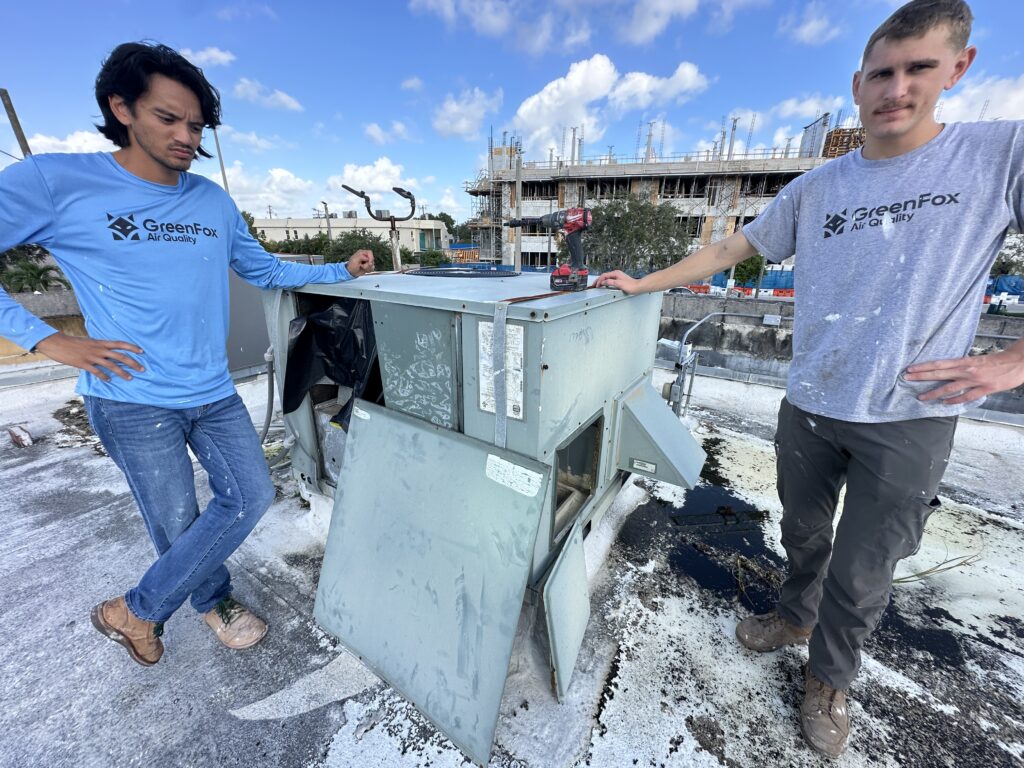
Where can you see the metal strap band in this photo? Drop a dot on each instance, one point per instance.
(498, 372)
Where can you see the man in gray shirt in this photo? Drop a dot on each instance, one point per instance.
(893, 246)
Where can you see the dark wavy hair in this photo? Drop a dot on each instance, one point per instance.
(126, 73)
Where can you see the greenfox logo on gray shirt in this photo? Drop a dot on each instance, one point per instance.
(835, 223)
(891, 262)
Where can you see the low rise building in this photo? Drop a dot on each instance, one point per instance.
(418, 234)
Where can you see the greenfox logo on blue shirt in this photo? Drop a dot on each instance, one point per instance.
(882, 215)
(125, 228)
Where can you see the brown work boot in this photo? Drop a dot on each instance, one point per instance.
(824, 719)
(236, 626)
(769, 631)
(140, 638)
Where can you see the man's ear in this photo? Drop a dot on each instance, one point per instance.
(856, 87)
(120, 108)
(963, 62)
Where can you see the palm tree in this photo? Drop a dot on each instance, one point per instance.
(24, 277)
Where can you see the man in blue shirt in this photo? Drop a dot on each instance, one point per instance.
(147, 248)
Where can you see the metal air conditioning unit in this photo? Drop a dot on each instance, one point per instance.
(468, 437)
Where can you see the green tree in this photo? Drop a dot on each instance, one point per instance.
(1010, 260)
(251, 221)
(432, 258)
(348, 242)
(463, 233)
(449, 222)
(32, 253)
(634, 235)
(749, 269)
(27, 276)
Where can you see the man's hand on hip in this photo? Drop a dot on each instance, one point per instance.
(971, 378)
(360, 263)
(96, 356)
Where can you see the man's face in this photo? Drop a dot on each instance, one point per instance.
(165, 125)
(901, 82)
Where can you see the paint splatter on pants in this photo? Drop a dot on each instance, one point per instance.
(843, 581)
(150, 445)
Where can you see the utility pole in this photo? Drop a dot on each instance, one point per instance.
(327, 215)
(15, 125)
(220, 156)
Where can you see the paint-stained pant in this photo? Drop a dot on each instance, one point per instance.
(150, 445)
(892, 472)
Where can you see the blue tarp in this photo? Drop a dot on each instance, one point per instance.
(1011, 284)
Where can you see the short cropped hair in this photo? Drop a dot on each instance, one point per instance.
(126, 73)
(918, 17)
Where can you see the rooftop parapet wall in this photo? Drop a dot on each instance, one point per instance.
(747, 343)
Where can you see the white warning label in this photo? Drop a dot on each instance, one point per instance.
(513, 369)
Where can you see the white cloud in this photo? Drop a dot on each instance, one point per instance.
(443, 8)
(376, 133)
(249, 140)
(412, 84)
(808, 107)
(208, 57)
(639, 90)
(813, 28)
(377, 178)
(593, 91)
(782, 133)
(379, 136)
(1005, 97)
(245, 11)
(286, 193)
(79, 141)
(257, 93)
(567, 101)
(650, 17)
(463, 116)
(488, 17)
(578, 35)
(726, 11)
(452, 205)
(535, 38)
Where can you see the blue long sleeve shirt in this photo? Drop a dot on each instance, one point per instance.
(149, 265)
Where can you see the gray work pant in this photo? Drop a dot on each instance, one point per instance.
(892, 472)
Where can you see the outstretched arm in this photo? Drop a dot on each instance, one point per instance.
(708, 261)
(971, 378)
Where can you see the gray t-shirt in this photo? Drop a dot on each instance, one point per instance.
(892, 258)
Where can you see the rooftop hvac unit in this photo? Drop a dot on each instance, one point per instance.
(382, 213)
(470, 434)
(350, 215)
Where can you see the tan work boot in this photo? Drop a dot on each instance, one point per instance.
(140, 638)
(769, 631)
(824, 719)
(236, 626)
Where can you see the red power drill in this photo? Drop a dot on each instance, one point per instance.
(571, 222)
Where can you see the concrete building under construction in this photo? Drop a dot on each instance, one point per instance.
(715, 191)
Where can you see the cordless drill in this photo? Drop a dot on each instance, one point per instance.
(571, 222)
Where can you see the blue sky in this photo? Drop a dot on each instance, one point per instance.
(405, 93)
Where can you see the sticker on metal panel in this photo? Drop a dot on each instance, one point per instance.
(519, 479)
(644, 466)
(513, 369)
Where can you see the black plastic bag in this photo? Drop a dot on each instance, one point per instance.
(336, 342)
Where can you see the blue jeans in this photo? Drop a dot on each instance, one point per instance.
(148, 444)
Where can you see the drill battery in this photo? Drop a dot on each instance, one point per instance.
(565, 278)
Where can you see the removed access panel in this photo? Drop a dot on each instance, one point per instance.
(425, 569)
